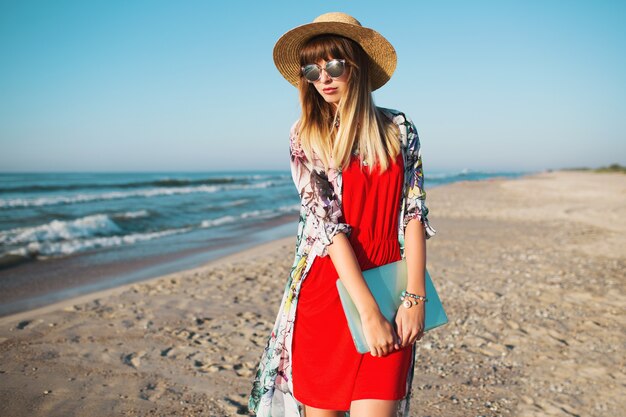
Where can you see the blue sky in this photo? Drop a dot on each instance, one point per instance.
(191, 85)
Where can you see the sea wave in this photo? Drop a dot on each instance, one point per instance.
(269, 213)
(132, 214)
(254, 214)
(115, 195)
(65, 237)
(218, 222)
(235, 203)
(57, 230)
(43, 250)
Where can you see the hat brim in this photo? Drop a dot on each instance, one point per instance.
(382, 55)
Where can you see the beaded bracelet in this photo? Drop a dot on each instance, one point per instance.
(405, 293)
(407, 303)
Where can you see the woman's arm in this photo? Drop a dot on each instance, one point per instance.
(379, 333)
(415, 252)
(410, 321)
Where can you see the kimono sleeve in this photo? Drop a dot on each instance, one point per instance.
(415, 207)
(319, 196)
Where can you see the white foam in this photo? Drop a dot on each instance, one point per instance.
(259, 214)
(61, 230)
(264, 184)
(289, 209)
(43, 250)
(217, 222)
(235, 203)
(268, 213)
(133, 214)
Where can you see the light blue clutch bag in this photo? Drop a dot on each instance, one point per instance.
(386, 284)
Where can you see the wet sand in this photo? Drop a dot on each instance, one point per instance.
(530, 271)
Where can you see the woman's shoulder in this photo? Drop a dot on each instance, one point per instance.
(408, 132)
(396, 116)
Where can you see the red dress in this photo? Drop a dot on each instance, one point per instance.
(328, 372)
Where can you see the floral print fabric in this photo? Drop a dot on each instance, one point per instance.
(319, 222)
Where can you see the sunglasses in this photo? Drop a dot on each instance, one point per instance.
(334, 68)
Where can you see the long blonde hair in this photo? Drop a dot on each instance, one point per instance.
(362, 126)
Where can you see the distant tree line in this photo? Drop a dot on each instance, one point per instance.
(609, 168)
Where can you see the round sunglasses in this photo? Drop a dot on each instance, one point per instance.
(334, 68)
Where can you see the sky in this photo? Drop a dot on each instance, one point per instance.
(155, 85)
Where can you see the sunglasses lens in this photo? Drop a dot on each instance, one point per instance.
(311, 72)
(335, 68)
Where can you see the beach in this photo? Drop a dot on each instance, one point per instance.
(531, 272)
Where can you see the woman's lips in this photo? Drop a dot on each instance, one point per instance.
(329, 90)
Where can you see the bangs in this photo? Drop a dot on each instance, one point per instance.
(324, 48)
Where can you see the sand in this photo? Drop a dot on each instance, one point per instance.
(531, 273)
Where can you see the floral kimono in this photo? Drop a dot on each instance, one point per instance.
(320, 214)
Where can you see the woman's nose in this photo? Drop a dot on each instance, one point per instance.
(324, 77)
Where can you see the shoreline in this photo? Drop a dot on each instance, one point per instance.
(55, 280)
(254, 251)
(530, 272)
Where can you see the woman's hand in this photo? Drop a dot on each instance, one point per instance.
(410, 324)
(379, 334)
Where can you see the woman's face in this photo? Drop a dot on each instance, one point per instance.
(331, 89)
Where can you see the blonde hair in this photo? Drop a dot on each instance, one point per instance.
(362, 126)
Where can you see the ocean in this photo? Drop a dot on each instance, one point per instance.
(67, 234)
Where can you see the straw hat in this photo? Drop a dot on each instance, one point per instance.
(382, 56)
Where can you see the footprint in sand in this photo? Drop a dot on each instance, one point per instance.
(207, 367)
(152, 391)
(242, 370)
(133, 359)
(238, 406)
(22, 324)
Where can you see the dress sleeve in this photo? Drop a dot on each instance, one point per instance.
(319, 198)
(415, 207)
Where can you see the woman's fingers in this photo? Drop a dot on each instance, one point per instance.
(387, 346)
(409, 332)
(380, 335)
(416, 336)
(399, 338)
(384, 347)
(410, 339)
(378, 351)
(406, 340)
(383, 340)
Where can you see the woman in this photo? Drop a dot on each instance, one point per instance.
(358, 171)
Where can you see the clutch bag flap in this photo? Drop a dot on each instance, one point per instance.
(386, 283)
